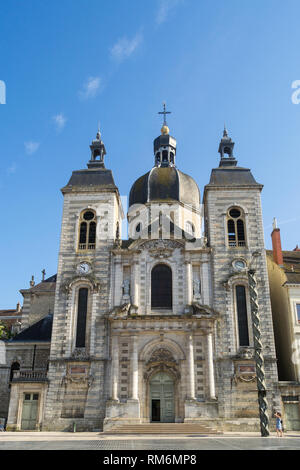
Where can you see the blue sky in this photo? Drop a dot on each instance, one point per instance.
(68, 64)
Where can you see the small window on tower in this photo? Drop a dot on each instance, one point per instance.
(87, 231)
(236, 228)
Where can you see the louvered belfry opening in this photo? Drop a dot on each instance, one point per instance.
(161, 287)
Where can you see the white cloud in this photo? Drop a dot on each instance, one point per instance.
(60, 121)
(165, 8)
(90, 88)
(125, 47)
(31, 147)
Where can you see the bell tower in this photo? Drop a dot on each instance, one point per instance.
(98, 152)
(91, 222)
(234, 230)
(165, 145)
(226, 148)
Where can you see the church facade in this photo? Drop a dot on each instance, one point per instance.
(157, 328)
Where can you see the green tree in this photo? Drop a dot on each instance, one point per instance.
(5, 332)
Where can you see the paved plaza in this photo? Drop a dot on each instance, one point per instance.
(99, 441)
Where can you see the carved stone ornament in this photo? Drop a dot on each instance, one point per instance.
(248, 378)
(161, 249)
(121, 311)
(161, 367)
(241, 276)
(80, 353)
(245, 373)
(86, 379)
(161, 355)
(67, 286)
(203, 310)
(245, 353)
(161, 360)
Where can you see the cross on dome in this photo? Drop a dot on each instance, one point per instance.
(164, 129)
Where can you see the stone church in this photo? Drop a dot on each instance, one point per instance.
(156, 328)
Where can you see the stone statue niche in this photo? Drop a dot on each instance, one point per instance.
(197, 289)
(126, 291)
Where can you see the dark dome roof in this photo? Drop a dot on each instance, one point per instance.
(166, 184)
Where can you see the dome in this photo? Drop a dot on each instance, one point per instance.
(165, 184)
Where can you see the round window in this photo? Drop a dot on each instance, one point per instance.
(88, 215)
(235, 213)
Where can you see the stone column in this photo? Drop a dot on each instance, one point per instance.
(118, 273)
(135, 284)
(135, 370)
(191, 366)
(115, 368)
(210, 366)
(189, 292)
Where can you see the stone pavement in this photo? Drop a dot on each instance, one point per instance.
(100, 441)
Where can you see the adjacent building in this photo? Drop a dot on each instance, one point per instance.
(284, 278)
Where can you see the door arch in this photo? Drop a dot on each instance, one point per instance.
(162, 398)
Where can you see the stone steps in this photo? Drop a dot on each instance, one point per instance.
(163, 428)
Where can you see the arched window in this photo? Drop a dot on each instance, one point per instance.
(15, 366)
(236, 228)
(87, 231)
(81, 317)
(161, 286)
(242, 315)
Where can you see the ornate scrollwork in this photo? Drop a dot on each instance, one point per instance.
(161, 355)
(161, 360)
(161, 248)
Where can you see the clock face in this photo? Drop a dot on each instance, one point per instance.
(84, 268)
(239, 264)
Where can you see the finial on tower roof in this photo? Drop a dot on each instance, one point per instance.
(98, 136)
(165, 129)
(225, 133)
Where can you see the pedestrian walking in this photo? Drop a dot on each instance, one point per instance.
(279, 429)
